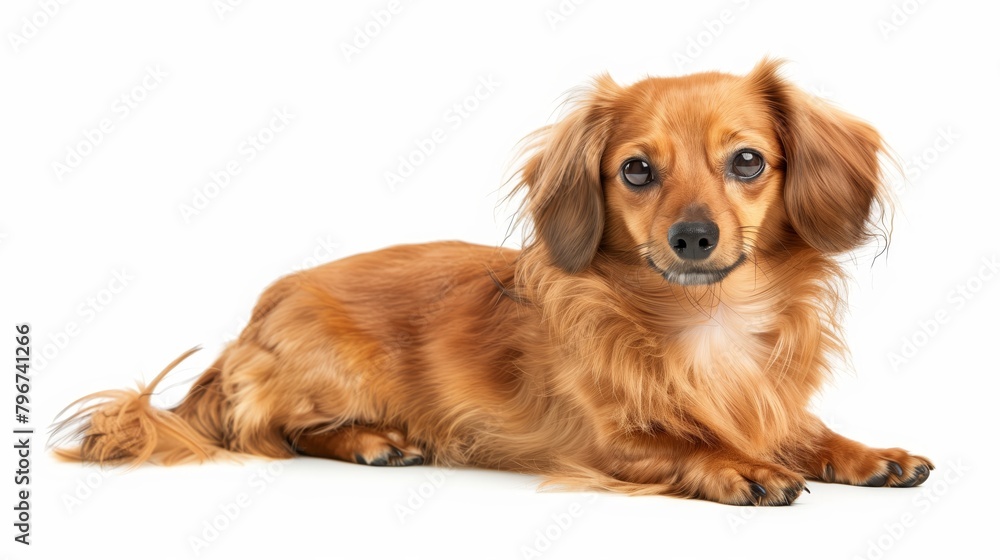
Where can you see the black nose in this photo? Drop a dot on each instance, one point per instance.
(693, 240)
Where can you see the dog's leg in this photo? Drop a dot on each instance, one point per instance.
(360, 444)
(649, 465)
(721, 475)
(831, 457)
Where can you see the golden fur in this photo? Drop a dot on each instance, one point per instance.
(577, 358)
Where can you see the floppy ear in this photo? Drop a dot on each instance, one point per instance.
(833, 179)
(563, 176)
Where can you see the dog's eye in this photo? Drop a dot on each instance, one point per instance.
(747, 164)
(637, 173)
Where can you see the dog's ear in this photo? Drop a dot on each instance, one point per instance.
(565, 197)
(833, 180)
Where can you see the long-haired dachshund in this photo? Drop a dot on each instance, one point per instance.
(674, 308)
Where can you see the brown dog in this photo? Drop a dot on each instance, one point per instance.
(661, 333)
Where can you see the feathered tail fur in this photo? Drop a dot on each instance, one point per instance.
(122, 427)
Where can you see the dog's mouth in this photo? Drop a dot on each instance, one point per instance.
(695, 275)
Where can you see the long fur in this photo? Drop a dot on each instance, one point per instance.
(122, 426)
(575, 358)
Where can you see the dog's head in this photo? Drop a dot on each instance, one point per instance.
(690, 175)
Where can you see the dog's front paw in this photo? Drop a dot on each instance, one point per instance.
(876, 467)
(750, 484)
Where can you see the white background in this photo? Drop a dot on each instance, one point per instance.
(930, 87)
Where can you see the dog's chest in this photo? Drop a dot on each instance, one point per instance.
(730, 341)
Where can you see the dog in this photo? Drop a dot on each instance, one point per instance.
(676, 303)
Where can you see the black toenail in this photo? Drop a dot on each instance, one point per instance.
(380, 462)
(877, 480)
(920, 474)
(359, 459)
(758, 490)
(895, 468)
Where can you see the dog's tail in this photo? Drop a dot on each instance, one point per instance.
(122, 427)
